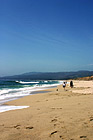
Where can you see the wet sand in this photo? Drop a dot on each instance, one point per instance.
(57, 115)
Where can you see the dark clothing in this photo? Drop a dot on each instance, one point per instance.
(64, 85)
(71, 84)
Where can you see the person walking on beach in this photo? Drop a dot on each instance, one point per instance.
(64, 85)
(71, 84)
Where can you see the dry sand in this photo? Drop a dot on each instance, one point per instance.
(56, 115)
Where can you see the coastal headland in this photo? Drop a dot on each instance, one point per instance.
(55, 115)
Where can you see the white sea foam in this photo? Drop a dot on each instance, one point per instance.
(7, 108)
(22, 82)
(26, 88)
(20, 92)
(46, 81)
(12, 94)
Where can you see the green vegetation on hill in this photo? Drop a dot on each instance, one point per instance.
(86, 78)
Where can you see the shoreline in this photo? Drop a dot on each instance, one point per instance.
(56, 115)
(4, 104)
(35, 91)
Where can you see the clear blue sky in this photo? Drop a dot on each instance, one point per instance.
(45, 36)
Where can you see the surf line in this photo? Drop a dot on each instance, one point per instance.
(5, 108)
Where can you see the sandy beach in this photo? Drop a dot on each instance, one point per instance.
(56, 115)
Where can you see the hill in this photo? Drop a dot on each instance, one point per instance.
(50, 75)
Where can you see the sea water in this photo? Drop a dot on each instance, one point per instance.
(14, 89)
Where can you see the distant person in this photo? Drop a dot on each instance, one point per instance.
(64, 85)
(71, 84)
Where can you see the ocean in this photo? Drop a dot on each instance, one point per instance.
(14, 89)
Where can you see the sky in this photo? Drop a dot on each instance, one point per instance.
(45, 36)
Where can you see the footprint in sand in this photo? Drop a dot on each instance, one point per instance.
(53, 133)
(17, 126)
(38, 108)
(56, 108)
(91, 119)
(29, 127)
(55, 124)
(83, 136)
(1, 124)
(61, 137)
(54, 120)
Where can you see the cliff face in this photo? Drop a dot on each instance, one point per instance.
(86, 78)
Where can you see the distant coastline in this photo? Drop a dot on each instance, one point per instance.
(50, 75)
